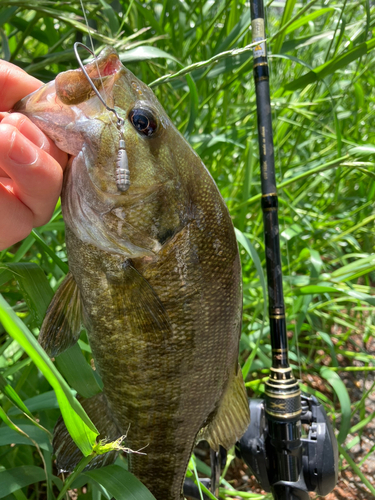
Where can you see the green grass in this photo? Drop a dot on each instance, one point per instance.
(323, 99)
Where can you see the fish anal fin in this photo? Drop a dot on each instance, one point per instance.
(62, 324)
(232, 417)
(67, 453)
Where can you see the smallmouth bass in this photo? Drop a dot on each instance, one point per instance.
(155, 277)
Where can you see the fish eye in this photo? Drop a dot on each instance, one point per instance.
(144, 121)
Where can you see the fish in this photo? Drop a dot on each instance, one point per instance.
(154, 276)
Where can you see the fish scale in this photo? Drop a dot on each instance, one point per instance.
(157, 274)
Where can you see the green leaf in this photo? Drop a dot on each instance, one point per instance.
(50, 31)
(292, 231)
(77, 422)
(245, 242)
(249, 161)
(358, 266)
(64, 268)
(342, 393)
(145, 53)
(9, 436)
(5, 418)
(149, 17)
(194, 101)
(239, 28)
(310, 172)
(110, 14)
(10, 393)
(5, 276)
(13, 479)
(365, 149)
(41, 402)
(6, 14)
(287, 14)
(332, 66)
(228, 61)
(307, 19)
(78, 373)
(5, 45)
(316, 262)
(120, 483)
(359, 97)
(328, 340)
(359, 295)
(34, 286)
(317, 289)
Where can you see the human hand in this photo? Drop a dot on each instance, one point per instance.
(31, 165)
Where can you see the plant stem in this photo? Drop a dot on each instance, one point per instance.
(77, 471)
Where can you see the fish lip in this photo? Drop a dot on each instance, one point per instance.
(107, 63)
(23, 104)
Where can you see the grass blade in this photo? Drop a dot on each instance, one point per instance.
(120, 483)
(79, 425)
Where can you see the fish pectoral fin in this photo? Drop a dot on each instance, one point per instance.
(144, 310)
(232, 417)
(62, 324)
(67, 453)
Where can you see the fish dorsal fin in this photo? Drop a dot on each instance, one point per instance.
(67, 454)
(232, 417)
(62, 324)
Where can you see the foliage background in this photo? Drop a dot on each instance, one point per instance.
(322, 84)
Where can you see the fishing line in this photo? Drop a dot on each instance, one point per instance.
(93, 53)
(122, 167)
(92, 47)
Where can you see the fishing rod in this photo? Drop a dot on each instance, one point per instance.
(283, 461)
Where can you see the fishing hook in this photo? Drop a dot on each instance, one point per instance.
(120, 121)
(122, 168)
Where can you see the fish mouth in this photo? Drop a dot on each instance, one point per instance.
(56, 106)
(72, 88)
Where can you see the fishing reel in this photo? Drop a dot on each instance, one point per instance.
(269, 461)
(318, 471)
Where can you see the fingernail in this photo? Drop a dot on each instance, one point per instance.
(31, 132)
(22, 151)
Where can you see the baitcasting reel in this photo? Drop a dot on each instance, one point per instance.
(318, 470)
(319, 467)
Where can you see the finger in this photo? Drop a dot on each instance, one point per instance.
(14, 84)
(35, 135)
(16, 219)
(2, 116)
(36, 175)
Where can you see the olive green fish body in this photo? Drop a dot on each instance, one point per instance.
(157, 272)
(164, 364)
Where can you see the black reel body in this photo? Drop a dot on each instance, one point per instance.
(319, 469)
